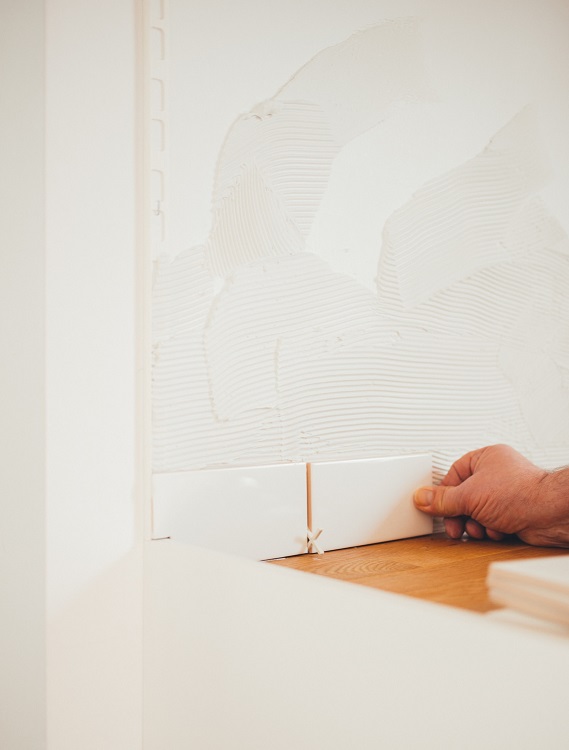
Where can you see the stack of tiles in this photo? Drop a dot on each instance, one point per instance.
(537, 587)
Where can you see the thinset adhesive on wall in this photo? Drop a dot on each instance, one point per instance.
(264, 353)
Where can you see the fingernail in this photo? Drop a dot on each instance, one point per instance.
(424, 497)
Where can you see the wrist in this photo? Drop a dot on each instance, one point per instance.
(553, 489)
(551, 501)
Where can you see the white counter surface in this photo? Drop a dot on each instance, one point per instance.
(246, 655)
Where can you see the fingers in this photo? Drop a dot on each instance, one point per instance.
(475, 529)
(441, 501)
(495, 536)
(454, 527)
(462, 468)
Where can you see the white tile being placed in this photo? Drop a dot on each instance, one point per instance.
(368, 500)
(257, 512)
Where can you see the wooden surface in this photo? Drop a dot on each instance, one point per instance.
(432, 567)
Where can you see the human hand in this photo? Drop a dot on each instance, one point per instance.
(495, 491)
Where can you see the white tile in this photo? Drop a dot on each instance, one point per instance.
(257, 512)
(368, 500)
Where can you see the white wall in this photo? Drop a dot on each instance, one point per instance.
(366, 232)
(22, 377)
(94, 520)
(70, 553)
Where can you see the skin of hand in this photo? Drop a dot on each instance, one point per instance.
(495, 491)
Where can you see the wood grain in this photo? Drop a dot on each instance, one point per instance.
(435, 568)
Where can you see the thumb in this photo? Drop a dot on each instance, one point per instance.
(441, 501)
